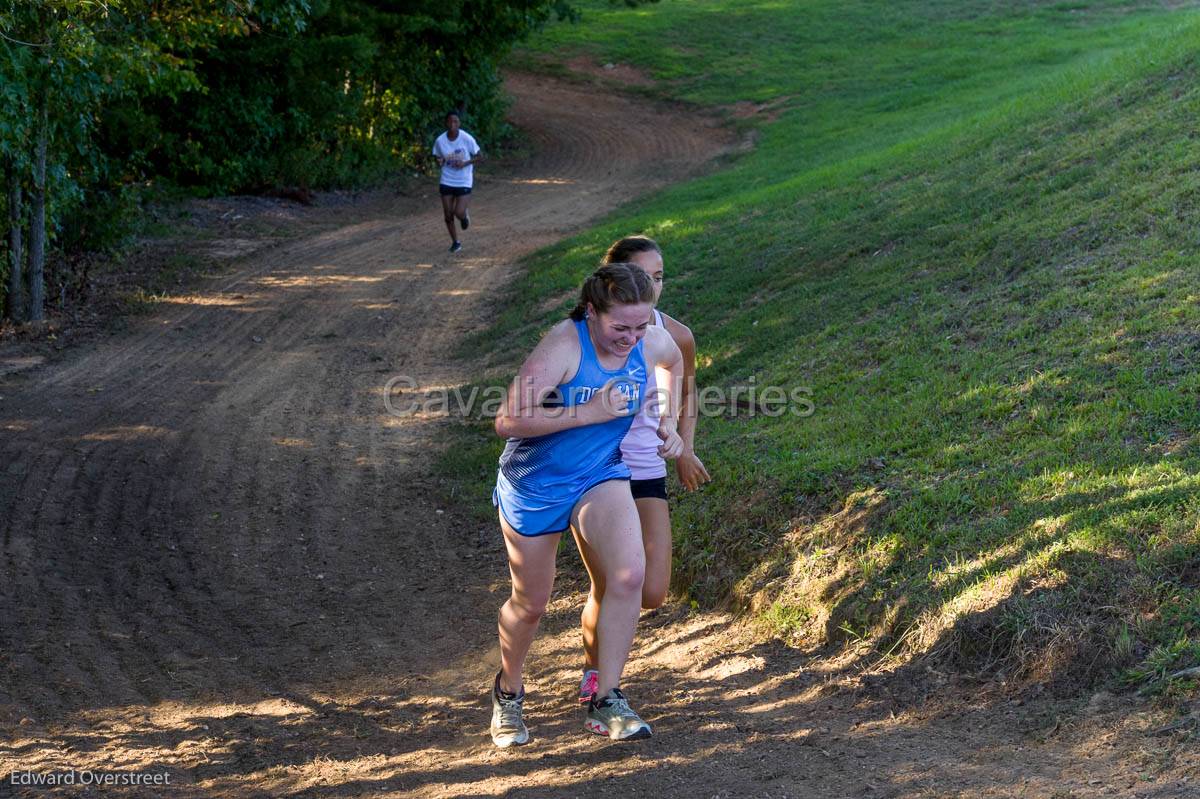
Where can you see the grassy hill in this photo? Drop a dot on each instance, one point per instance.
(969, 229)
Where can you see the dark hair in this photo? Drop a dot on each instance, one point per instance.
(613, 284)
(624, 249)
(453, 112)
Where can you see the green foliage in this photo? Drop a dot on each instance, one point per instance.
(82, 57)
(239, 95)
(359, 90)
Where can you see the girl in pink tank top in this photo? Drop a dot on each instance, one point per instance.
(640, 450)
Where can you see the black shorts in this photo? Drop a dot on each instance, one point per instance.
(453, 191)
(654, 488)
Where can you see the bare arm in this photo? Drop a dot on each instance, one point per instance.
(550, 363)
(690, 469)
(687, 404)
(662, 351)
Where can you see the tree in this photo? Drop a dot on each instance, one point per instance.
(355, 93)
(14, 306)
(225, 95)
(62, 61)
(15, 65)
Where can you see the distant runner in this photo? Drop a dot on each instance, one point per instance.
(457, 153)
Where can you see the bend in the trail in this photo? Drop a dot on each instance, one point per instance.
(215, 510)
(222, 559)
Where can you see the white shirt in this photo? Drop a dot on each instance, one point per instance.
(462, 148)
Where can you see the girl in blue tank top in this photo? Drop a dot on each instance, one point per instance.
(572, 402)
(541, 478)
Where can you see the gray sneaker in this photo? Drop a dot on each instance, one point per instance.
(508, 727)
(613, 717)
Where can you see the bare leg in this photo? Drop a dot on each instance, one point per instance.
(591, 609)
(531, 563)
(656, 539)
(448, 215)
(460, 206)
(607, 520)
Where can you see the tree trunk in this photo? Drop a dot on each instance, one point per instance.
(15, 301)
(37, 214)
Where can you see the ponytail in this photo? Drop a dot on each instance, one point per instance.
(613, 284)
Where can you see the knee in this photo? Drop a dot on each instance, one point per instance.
(626, 580)
(528, 609)
(653, 596)
(448, 216)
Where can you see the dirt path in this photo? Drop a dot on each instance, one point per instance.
(222, 560)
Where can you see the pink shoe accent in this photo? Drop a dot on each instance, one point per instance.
(587, 687)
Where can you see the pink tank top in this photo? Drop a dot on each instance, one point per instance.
(639, 448)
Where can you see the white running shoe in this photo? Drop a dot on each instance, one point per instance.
(508, 726)
(613, 717)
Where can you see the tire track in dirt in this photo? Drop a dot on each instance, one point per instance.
(239, 572)
(220, 477)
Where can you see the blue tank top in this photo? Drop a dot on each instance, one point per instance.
(555, 465)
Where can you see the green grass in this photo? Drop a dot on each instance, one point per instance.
(971, 232)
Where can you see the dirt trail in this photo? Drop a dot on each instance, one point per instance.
(223, 560)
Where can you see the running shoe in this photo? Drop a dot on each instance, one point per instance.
(456, 246)
(588, 685)
(465, 221)
(613, 717)
(508, 727)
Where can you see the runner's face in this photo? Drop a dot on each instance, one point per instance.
(452, 125)
(652, 264)
(619, 330)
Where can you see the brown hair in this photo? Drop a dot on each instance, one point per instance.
(613, 284)
(624, 249)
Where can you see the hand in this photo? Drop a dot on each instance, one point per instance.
(691, 471)
(672, 445)
(607, 404)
